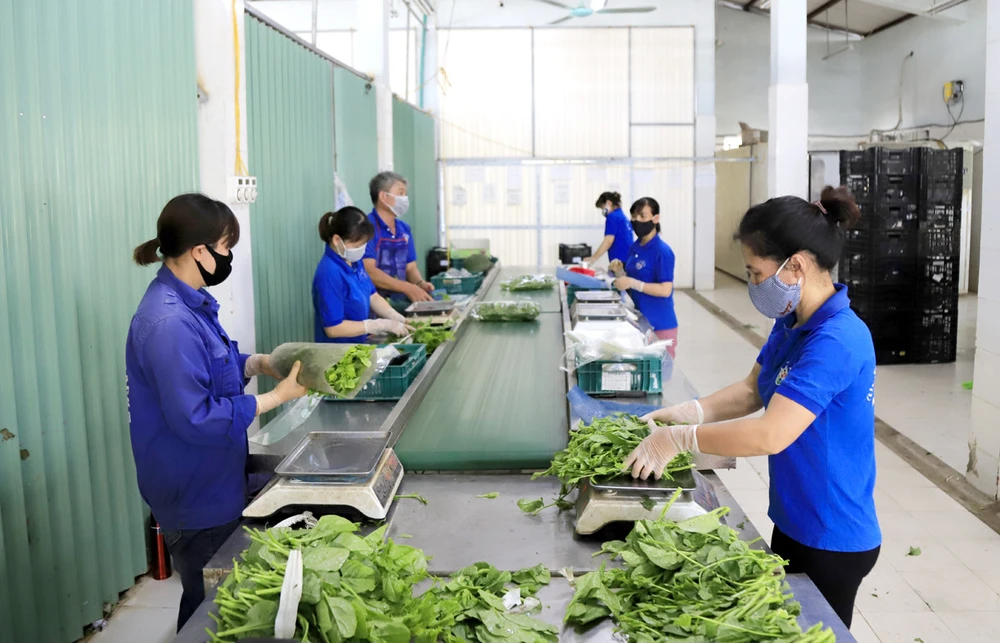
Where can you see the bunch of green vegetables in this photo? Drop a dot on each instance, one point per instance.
(529, 282)
(344, 376)
(361, 589)
(431, 335)
(693, 580)
(504, 311)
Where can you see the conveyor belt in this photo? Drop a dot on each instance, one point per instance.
(547, 300)
(498, 403)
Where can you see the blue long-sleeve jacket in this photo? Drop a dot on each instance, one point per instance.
(188, 414)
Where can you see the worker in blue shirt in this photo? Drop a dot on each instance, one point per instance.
(648, 272)
(343, 296)
(188, 412)
(618, 237)
(391, 256)
(815, 378)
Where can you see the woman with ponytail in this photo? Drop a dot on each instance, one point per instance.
(618, 237)
(815, 379)
(344, 297)
(188, 411)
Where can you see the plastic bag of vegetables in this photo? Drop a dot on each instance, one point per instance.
(340, 370)
(505, 311)
(526, 283)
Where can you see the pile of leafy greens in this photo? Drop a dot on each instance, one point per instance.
(505, 311)
(344, 376)
(529, 282)
(693, 580)
(431, 335)
(361, 589)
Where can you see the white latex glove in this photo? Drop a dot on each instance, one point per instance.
(661, 446)
(689, 412)
(259, 364)
(386, 327)
(395, 316)
(617, 268)
(287, 390)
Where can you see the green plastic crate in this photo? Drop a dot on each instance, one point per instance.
(641, 375)
(457, 285)
(458, 262)
(392, 383)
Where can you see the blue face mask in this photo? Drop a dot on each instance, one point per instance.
(773, 297)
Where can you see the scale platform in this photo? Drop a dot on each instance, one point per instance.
(598, 296)
(624, 499)
(604, 311)
(341, 469)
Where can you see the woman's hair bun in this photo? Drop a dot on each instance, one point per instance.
(840, 207)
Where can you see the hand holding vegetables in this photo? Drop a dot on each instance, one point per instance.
(627, 283)
(617, 268)
(259, 364)
(689, 412)
(661, 446)
(287, 390)
(387, 327)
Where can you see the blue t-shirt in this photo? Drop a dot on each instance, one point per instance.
(822, 485)
(618, 226)
(653, 263)
(391, 252)
(341, 292)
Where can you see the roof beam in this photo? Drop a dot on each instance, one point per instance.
(826, 6)
(836, 29)
(750, 5)
(889, 25)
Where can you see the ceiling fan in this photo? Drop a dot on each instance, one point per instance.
(586, 9)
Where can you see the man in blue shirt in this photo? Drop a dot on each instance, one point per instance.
(391, 257)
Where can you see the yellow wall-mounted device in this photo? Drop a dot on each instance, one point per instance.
(953, 91)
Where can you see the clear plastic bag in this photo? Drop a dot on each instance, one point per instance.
(526, 283)
(505, 311)
(319, 359)
(610, 346)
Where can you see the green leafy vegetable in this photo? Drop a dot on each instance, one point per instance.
(490, 496)
(345, 376)
(431, 335)
(412, 496)
(529, 282)
(531, 506)
(648, 504)
(968, 386)
(694, 580)
(914, 551)
(505, 311)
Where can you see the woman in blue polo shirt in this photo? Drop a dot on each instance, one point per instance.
(648, 272)
(618, 237)
(343, 295)
(188, 414)
(816, 379)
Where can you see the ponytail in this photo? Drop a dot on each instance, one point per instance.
(145, 254)
(326, 227)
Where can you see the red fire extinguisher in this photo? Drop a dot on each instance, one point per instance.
(161, 569)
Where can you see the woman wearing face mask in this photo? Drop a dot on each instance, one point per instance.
(188, 414)
(815, 378)
(343, 295)
(648, 273)
(618, 237)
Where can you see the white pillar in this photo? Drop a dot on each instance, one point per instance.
(704, 191)
(372, 57)
(984, 439)
(788, 102)
(217, 127)
(431, 87)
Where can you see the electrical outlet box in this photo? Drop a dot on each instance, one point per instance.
(242, 189)
(953, 91)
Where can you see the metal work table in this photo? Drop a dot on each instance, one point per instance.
(488, 382)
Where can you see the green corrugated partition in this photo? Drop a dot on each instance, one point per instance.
(290, 132)
(356, 134)
(98, 130)
(414, 156)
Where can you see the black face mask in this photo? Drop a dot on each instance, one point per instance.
(223, 268)
(643, 228)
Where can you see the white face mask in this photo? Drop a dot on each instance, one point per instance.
(352, 255)
(401, 206)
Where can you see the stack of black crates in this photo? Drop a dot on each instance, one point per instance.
(901, 262)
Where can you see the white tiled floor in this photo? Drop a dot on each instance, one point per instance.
(948, 593)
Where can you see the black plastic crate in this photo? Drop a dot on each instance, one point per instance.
(941, 162)
(940, 302)
(890, 161)
(897, 188)
(889, 216)
(573, 253)
(939, 271)
(888, 353)
(881, 244)
(864, 269)
(941, 190)
(861, 186)
(935, 350)
(857, 162)
(940, 216)
(942, 323)
(939, 242)
(868, 300)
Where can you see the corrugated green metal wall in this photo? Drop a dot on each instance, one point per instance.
(98, 129)
(290, 131)
(415, 158)
(356, 134)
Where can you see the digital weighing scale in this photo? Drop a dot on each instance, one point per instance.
(336, 469)
(598, 296)
(445, 307)
(612, 311)
(620, 499)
